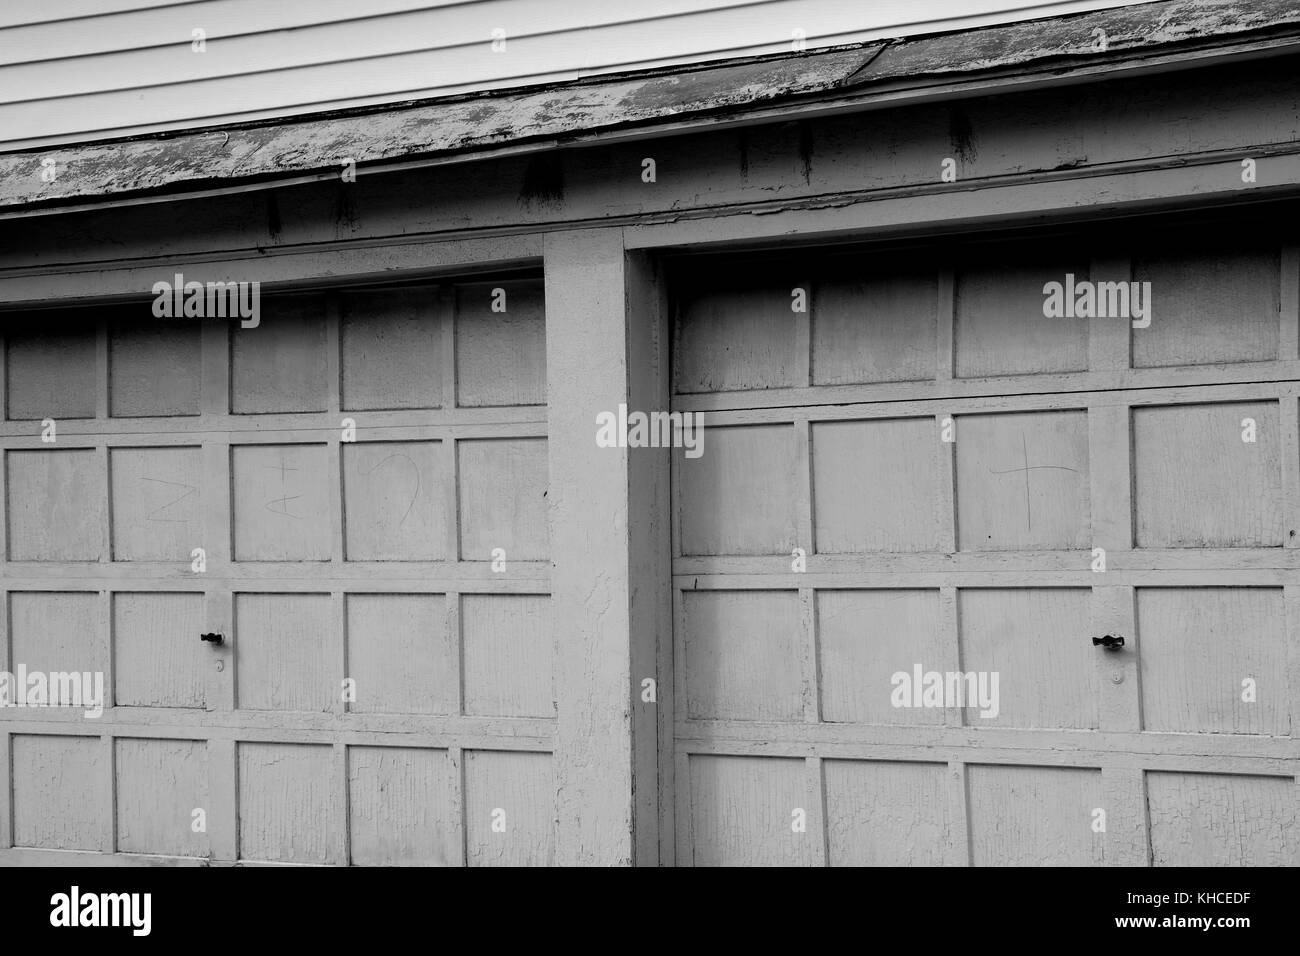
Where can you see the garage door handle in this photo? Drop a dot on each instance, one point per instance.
(1109, 641)
(216, 639)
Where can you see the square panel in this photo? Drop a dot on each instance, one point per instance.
(881, 328)
(743, 808)
(50, 365)
(281, 502)
(736, 336)
(509, 808)
(1038, 643)
(875, 485)
(279, 365)
(509, 652)
(1197, 484)
(503, 484)
(160, 783)
(153, 367)
(1202, 650)
(1209, 306)
(1034, 816)
(158, 659)
(47, 812)
(882, 813)
(1023, 482)
(57, 507)
(282, 646)
(738, 497)
(157, 503)
(866, 637)
(1210, 819)
(402, 807)
(287, 803)
(395, 498)
(998, 322)
(744, 652)
(401, 654)
(55, 631)
(501, 352)
(392, 348)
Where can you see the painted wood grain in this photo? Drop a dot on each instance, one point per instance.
(864, 638)
(509, 808)
(880, 328)
(281, 502)
(737, 337)
(1039, 642)
(881, 813)
(998, 323)
(1205, 819)
(160, 783)
(1209, 306)
(281, 646)
(738, 496)
(500, 355)
(743, 812)
(1197, 484)
(1023, 481)
(874, 485)
(743, 653)
(157, 505)
(394, 500)
(280, 365)
(400, 807)
(153, 365)
(508, 655)
(286, 794)
(51, 374)
(1034, 816)
(400, 654)
(391, 344)
(158, 659)
(503, 487)
(56, 797)
(1198, 648)
(57, 505)
(54, 630)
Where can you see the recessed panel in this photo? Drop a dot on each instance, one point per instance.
(282, 646)
(743, 810)
(500, 344)
(743, 654)
(509, 650)
(392, 349)
(158, 660)
(875, 484)
(153, 367)
(57, 505)
(160, 783)
(739, 337)
(401, 807)
(55, 631)
(509, 808)
(738, 496)
(400, 654)
(288, 795)
(1208, 819)
(1214, 660)
(48, 813)
(503, 505)
(881, 813)
(1023, 482)
(395, 501)
(279, 365)
(50, 369)
(1199, 483)
(281, 502)
(1034, 816)
(880, 328)
(157, 503)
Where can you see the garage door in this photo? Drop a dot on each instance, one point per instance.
(921, 505)
(352, 495)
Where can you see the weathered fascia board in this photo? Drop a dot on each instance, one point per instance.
(334, 262)
(876, 171)
(461, 128)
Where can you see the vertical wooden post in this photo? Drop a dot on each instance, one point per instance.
(609, 546)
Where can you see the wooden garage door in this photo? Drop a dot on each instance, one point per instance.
(412, 561)
(1173, 448)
